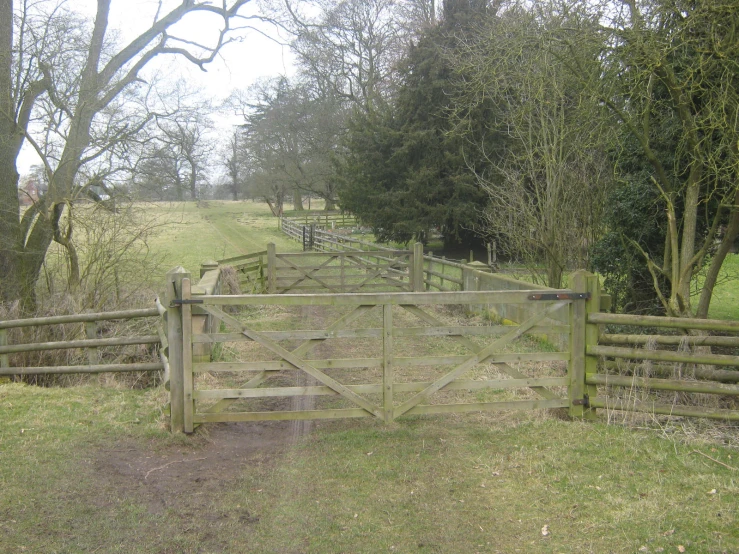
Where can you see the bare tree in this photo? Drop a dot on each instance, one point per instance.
(290, 135)
(348, 48)
(674, 63)
(80, 93)
(547, 189)
(233, 163)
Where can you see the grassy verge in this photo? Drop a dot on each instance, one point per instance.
(509, 483)
(451, 486)
(725, 301)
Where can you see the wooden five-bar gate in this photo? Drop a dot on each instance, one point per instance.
(343, 272)
(382, 355)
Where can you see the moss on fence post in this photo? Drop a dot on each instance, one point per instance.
(173, 291)
(582, 334)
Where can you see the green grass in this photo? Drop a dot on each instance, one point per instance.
(725, 300)
(74, 462)
(441, 484)
(192, 234)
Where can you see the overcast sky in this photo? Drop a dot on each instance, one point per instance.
(239, 64)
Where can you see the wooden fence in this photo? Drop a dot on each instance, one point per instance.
(330, 220)
(341, 272)
(666, 369)
(673, 371)
(383, 386)
(251, 268)
(87, 324)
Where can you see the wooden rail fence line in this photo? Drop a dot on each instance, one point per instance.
(575, 313)
(368, 281)
(91, 343)
(686, 349)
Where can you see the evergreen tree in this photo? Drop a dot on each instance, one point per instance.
(405, 174)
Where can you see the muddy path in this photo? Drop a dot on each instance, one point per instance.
(188, 477)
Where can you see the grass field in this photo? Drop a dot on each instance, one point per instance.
(191, 234)
(94, 469)
(89, 469)
(725, 301)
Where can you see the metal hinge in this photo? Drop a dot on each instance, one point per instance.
(560, 296)
(179, 301)
(585, 401)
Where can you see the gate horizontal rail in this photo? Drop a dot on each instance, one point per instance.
(391, 298)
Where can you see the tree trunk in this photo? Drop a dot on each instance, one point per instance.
(11, 244)
(732, 231)
(297, 200)
(193, 183)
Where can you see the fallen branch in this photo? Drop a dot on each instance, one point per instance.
(717, 461)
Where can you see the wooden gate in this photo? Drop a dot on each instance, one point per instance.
(382, 355)
(339, 272)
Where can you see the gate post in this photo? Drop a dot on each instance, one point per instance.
(581, 335)
(188, 407)
(416, 269)
(271, 268)
(173, 291)
(592, 333)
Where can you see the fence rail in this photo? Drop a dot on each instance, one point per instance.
(676, 355)
(327, 219)
(91, 344)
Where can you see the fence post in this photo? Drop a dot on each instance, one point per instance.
(91, 332)
(592, 332)
(261, 273)
(578, 337)
(187, 395)
(417, 269)
(4, 358)
(173, 291)
(430, 269)
(271, 268)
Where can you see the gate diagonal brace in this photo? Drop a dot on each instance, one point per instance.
(476, 359)
(431, 320)
(374, 275)
(296, 362)
(309, 274)
(344, 320)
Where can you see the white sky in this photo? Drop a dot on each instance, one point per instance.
(238, 66)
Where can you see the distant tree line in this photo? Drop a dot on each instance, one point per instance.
(573, 133)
